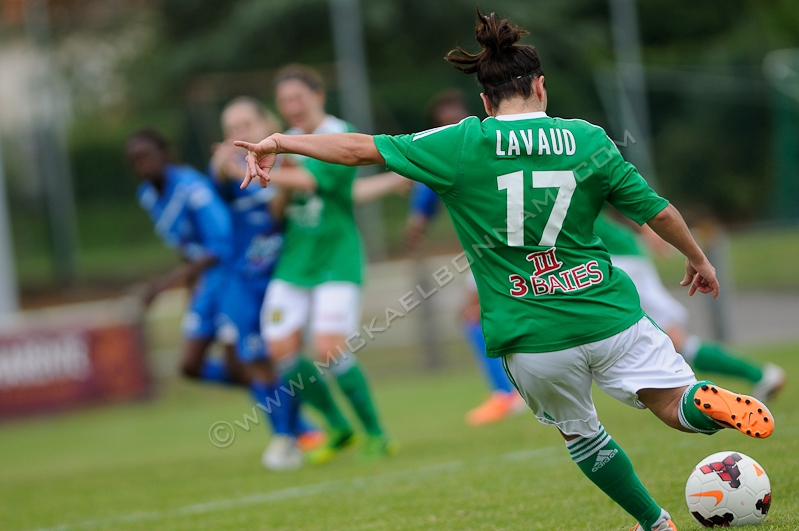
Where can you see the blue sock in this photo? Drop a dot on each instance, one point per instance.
(215, 370)
(277, 405)
(492, 367)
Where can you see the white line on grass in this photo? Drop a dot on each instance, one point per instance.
(357, 483)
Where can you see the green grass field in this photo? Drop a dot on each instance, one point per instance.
(150, 466)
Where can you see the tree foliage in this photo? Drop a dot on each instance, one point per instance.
(711, 145)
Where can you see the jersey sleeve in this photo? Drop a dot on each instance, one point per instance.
(213, 225)
(627, 190)
(423, 201)
(431, 157)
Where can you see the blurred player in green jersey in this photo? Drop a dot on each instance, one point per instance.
(628, 252)
(523, 191)
(318, 278)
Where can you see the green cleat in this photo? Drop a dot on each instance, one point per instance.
(376, 447)
(336, 442)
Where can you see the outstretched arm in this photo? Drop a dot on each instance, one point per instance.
(699, 273)
(348, 149)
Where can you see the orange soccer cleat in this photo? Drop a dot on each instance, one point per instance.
(744, 413)
(665, 525)
(499, 406)
(311, 440)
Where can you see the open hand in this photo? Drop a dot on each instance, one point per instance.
(261, 157)
(700, 277)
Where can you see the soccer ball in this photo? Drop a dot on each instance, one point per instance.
(728, 489)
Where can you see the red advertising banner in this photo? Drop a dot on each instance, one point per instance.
(51, 364)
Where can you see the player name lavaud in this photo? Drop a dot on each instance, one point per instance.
(548, 141)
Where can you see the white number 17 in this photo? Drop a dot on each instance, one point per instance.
(564, 181)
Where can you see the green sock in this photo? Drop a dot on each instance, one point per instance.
(691, 417)
(353, 384)
(717, 358)
(608, 467)
(313, 389)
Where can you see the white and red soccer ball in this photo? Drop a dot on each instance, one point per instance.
(728, 489)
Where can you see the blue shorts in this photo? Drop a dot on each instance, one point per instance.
(241, 311)
(202, 317)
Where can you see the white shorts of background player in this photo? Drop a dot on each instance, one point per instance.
(332, 308)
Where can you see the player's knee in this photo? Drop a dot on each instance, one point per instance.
(328, 344)
(263, 370)
(285, 347)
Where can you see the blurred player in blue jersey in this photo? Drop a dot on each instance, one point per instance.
(449, 107)
(258, 238)
(190, 217)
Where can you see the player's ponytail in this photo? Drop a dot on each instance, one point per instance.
(504, 68)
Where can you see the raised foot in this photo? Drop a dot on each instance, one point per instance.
(744, 413)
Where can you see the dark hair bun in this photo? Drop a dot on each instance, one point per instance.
(504, 67)
(496, 35)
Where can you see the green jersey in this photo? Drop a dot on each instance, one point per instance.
(618, 239)
(322, 243)
(523, 192)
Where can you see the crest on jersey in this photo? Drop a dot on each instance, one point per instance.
(544, 262)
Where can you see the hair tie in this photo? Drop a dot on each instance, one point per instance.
(538, 70)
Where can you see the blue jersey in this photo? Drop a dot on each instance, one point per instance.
(257, 240)
(257, 236)
(188, 215)
(424, 201)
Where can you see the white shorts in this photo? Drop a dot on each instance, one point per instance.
(656, 300)
(557, 385)
(329, 308)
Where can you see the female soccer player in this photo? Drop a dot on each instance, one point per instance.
(190, 216)
(523, 190)
(318, 277)
(258, 239)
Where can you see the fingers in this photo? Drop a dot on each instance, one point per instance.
(248, 174)
(704, 285)
(252, 165)
(246, 145)
(254, 170)
(247, 180)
